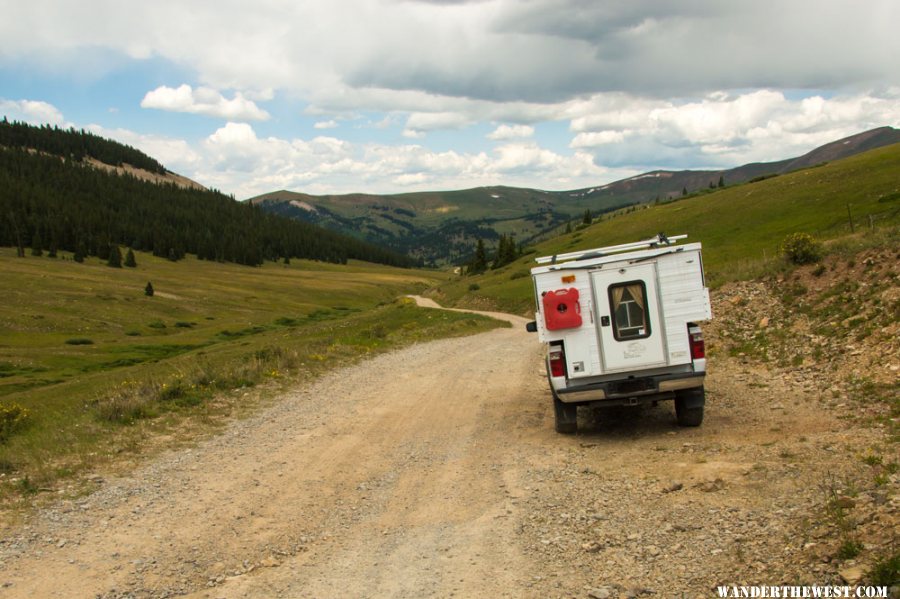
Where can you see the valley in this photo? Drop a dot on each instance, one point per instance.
(399, 477)
(104, 372)
(305, 428)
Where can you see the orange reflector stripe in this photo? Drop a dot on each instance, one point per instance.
(568, 279)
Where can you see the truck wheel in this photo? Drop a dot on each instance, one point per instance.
(565, 417)
(689, 406)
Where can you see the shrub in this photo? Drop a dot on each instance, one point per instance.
(849, 549)
(115, 257)
(887, 571)
(157, 324)
(170, 391)
(79, 341)
(125, 403)
(474, 287)
(801, 248)
(13, 417)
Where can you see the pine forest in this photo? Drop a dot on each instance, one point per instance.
(50, 198)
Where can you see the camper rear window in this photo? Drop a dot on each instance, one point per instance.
(629, 308)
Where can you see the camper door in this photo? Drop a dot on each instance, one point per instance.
(629, 323)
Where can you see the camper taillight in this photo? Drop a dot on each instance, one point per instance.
(698, 347)
(557, 361)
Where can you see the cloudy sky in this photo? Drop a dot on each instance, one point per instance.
(384, 96)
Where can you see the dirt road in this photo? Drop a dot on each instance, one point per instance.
(435, 472)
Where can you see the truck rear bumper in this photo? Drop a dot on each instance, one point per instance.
(646, 388)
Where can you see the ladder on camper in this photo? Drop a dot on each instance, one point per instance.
(653, 242)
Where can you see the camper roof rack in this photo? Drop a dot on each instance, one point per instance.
(653, 242)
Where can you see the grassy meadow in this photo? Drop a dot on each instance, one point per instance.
(741, 227)
(91, 367)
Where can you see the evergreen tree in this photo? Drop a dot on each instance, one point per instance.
(498, 257)
(129, 259)
(115, 257)
(588, 219)
(569, 227)
(20, 247)
(80, 251)
(287, 260)
(479, 262)
(506, 251)
(103, 249)
(684, 191)
(36, 245)
(148, 290)
(68, 202)
(721, 181)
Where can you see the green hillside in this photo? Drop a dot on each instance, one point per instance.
(741, 227)
(98, 364)
(53, 198)
(436, 227)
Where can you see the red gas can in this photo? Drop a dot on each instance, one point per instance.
(562, 309)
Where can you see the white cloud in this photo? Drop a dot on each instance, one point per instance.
(205, 101)
(507, 132)
(413, 134)
(598, 138)
(538, 52)
(526, 156)
(722, 129)
(331, 165)
(175, 154)
(432, 121)
(410, 179)
(31, 111)
(640, 84)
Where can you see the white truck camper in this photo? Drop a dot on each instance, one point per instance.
(620, 327)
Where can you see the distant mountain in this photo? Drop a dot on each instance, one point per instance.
(442, 227)
(648, 186)
(437, 227)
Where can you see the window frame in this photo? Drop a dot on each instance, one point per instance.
(648, 331)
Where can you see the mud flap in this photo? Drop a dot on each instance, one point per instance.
(565, 417)
(689, 406)
(692, 398)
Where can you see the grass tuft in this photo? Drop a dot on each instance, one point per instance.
(886, 572)
(13, 418)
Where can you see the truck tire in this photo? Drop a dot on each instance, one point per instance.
(565, 417)
(689, 406)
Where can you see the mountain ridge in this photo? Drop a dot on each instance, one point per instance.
(442, 226)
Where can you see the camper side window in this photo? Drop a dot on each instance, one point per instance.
(629, 307)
